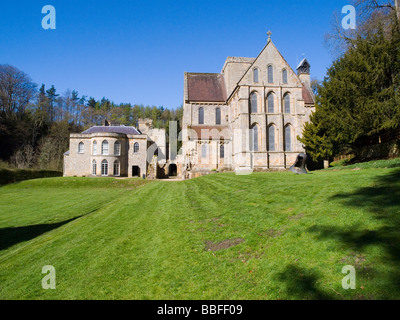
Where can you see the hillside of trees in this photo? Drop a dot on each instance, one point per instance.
(35, 123)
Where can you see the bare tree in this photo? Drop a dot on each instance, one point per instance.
(16, 91)
(371, 14)
(24, 157)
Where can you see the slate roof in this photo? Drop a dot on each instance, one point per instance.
(112, 129)
(206, 87)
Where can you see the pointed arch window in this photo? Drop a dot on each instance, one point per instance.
(218, 116)
(254, 139)
(271, 138)
(287, 103)
(271, 106)
(253, 102)
(270, 74)
(136, 147)
(284, 76)
(255, 75)
(288, 138)
(222, 151)
(201, 115)
(104, 148)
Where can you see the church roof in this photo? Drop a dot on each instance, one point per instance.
(202, 132)
(308, 96)
(206, 87)
(112, 129)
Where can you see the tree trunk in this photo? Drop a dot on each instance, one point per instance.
(398, 8)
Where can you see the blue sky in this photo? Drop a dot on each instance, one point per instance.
(138, 51)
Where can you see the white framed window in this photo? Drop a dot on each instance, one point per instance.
(94, 167)
(104, 168)
(104, 148)
(116, 168)
(95, 148)
(81, 147)
(117, 148)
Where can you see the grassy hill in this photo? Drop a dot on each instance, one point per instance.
(262, 236)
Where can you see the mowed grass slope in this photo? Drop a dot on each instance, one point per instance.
(262, 236)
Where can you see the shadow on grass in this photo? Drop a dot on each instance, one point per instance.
(301, 284)
(382, 202)
(14, 235)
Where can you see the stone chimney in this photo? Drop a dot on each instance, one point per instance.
(303, 71)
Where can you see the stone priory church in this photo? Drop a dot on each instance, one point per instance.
(246, 118)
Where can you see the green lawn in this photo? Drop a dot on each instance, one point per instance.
(262, 236)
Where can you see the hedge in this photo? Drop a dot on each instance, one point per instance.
(11, 176)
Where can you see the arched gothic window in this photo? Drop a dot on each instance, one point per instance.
(255, 75)
(284, 76)
(136, 147)
(288, 138)
(287, 103)
(254, 133)
(271, 138)
(253, 103)
(271, 106)
(270, 74)
(201, 115)
(218, 116)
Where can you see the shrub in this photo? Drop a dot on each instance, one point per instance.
(11, 176)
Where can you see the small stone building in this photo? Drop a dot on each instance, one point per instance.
(247, 117)
(116, 151)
